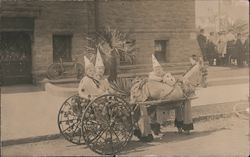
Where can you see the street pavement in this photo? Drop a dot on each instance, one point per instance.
(224, 137)
(27, 111)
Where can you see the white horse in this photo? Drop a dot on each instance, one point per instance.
(144, 90)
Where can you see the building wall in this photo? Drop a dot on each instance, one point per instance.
(149, 20)
(60, 18)
(144, 20)
(76, 18)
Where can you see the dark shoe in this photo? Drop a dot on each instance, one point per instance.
(137, 133)
(156, 128)
(148, 138)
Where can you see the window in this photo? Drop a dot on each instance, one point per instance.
(161, 50)
(62, 47)
(127, 57)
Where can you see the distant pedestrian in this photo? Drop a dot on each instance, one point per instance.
(211, 48)
(239, 49)
(202, 41)
(246, 46)
(230, 57)
(221, 48)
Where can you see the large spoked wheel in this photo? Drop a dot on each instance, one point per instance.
(107, 124)
(55, 71)
(69, 119)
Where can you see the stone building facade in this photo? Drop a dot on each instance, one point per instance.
(167, 27)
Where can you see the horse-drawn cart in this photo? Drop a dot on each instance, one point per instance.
(106, 124)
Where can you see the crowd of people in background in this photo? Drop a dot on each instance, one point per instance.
(224, 48)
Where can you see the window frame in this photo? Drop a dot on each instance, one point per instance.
(67, 36)
(164, 49)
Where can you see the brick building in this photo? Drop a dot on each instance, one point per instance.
(54, 28)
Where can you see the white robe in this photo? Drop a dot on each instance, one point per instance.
(89, 89)
(104, 85)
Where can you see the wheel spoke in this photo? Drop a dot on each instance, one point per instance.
(68, 120)
(79, 140)
(69, 127)
(99, 136)
(111, 140)
(116, 135)
(70, 111)
(76, 129)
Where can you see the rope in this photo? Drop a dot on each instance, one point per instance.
(172, 90)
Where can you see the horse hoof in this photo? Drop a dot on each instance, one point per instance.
(148, 138)
(179, 130)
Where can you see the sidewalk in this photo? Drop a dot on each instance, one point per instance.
(35, 113)
(30, 112)
(221, 94)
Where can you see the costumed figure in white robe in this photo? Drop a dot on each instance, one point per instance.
(90, 87)
(162, 86)
(99, 74)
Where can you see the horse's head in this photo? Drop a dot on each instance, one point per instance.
(194, 74)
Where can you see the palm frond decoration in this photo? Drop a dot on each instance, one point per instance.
(111, 41)
(112, 45)
(122, 86)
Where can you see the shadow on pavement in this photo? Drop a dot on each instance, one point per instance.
(170, 136)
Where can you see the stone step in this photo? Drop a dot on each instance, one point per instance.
(133, 74)
(167, 69)
(148, 67)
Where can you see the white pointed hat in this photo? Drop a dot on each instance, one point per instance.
(87, 62)
(98, 62)
(155, 61)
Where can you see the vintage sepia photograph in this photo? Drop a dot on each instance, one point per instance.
(124, 78)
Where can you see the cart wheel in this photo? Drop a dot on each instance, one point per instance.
(107, 124)
(69, 119)
(55, 71)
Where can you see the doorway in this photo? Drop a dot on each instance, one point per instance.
(15, 57)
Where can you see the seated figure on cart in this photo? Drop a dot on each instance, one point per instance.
(93, 84)
(163, 86)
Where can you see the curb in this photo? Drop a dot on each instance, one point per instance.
(221, 82)
(60, 91)
(206, 118)
(31, 139)
(197, 118)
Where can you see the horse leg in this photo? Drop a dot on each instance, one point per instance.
(179, 119)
